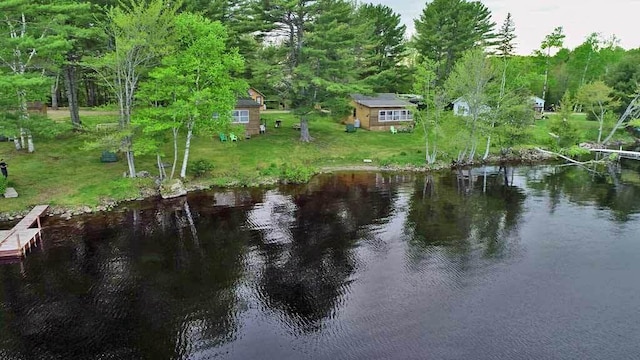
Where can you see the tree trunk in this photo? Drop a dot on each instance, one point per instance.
(72, 95)
(24, 116)
(187, 147)
(486, 151)
(90, 92)
(130, 159)
(546, 77)
(175, 152)
(304, 130)
(54, 93)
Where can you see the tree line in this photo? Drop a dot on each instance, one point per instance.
(307, 55)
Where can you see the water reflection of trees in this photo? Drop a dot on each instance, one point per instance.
(309, 259)
(145, 284)
(618, 189)
(469, 213)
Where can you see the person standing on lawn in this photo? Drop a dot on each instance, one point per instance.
(3, 168)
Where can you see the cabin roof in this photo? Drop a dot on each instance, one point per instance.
(380, 100)
(256, 90)
(247, 103)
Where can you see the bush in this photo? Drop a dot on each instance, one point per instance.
(566, 131)
(271, 170)
(200, 167)
(296, 174)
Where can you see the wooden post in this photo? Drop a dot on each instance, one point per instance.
(19, 246)
(39, 232)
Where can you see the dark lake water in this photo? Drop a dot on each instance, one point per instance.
(540, 263)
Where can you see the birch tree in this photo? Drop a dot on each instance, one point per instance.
(597, 98)
(141, 33)
(470, 80)
(196, 81)
(434, 102)
(551, 41)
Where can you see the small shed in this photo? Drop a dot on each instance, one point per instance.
(538, 104)
(381, 111)
(247, 113)
(258, 97)
(461, 107)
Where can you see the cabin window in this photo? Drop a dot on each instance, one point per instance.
(395, 115)
(259, 99)
(240, 116)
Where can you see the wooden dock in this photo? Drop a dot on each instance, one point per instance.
(16, 242)
(634, 155)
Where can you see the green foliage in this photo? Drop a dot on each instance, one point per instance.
(296, 174)
(3, 184)
(562, 126)
(448, 28)
(575, 151)
(40, 127)
(624, 78)
(200, 167)
(271, 170)
(382, 48)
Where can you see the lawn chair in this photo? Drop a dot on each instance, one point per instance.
(350, 128)
(233, 137)
(393, 129)
(223, 137)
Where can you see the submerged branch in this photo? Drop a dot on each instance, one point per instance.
(582, 164)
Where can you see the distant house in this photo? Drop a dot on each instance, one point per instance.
(247, 113)
(258, 97)
(461, 107)
(380, 112)
(538, 103)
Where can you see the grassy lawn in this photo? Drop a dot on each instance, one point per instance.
(61, 173)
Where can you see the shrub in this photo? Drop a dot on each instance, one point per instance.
(296, 174)
(200, 167)
(566, 131)
(271, 170)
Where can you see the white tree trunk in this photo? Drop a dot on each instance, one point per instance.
(187, 147)
(161, 172)
(175, 152)
(54, 93)
(486, 151)
(129, 156)
(30, 146)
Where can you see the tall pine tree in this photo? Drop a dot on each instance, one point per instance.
(382, 48)
(448, 28)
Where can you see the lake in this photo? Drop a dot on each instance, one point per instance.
(490, 263)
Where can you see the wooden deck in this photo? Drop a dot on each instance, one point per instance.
(16, 242)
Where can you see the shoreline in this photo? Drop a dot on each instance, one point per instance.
(529, 157)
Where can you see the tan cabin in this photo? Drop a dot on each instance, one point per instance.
(37, 107)
(247, 113)
(258, 97)
(381, 111)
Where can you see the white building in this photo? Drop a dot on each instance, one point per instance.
(461, 108)
(538, 103)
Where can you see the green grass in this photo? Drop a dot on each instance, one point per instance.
(61, 173)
